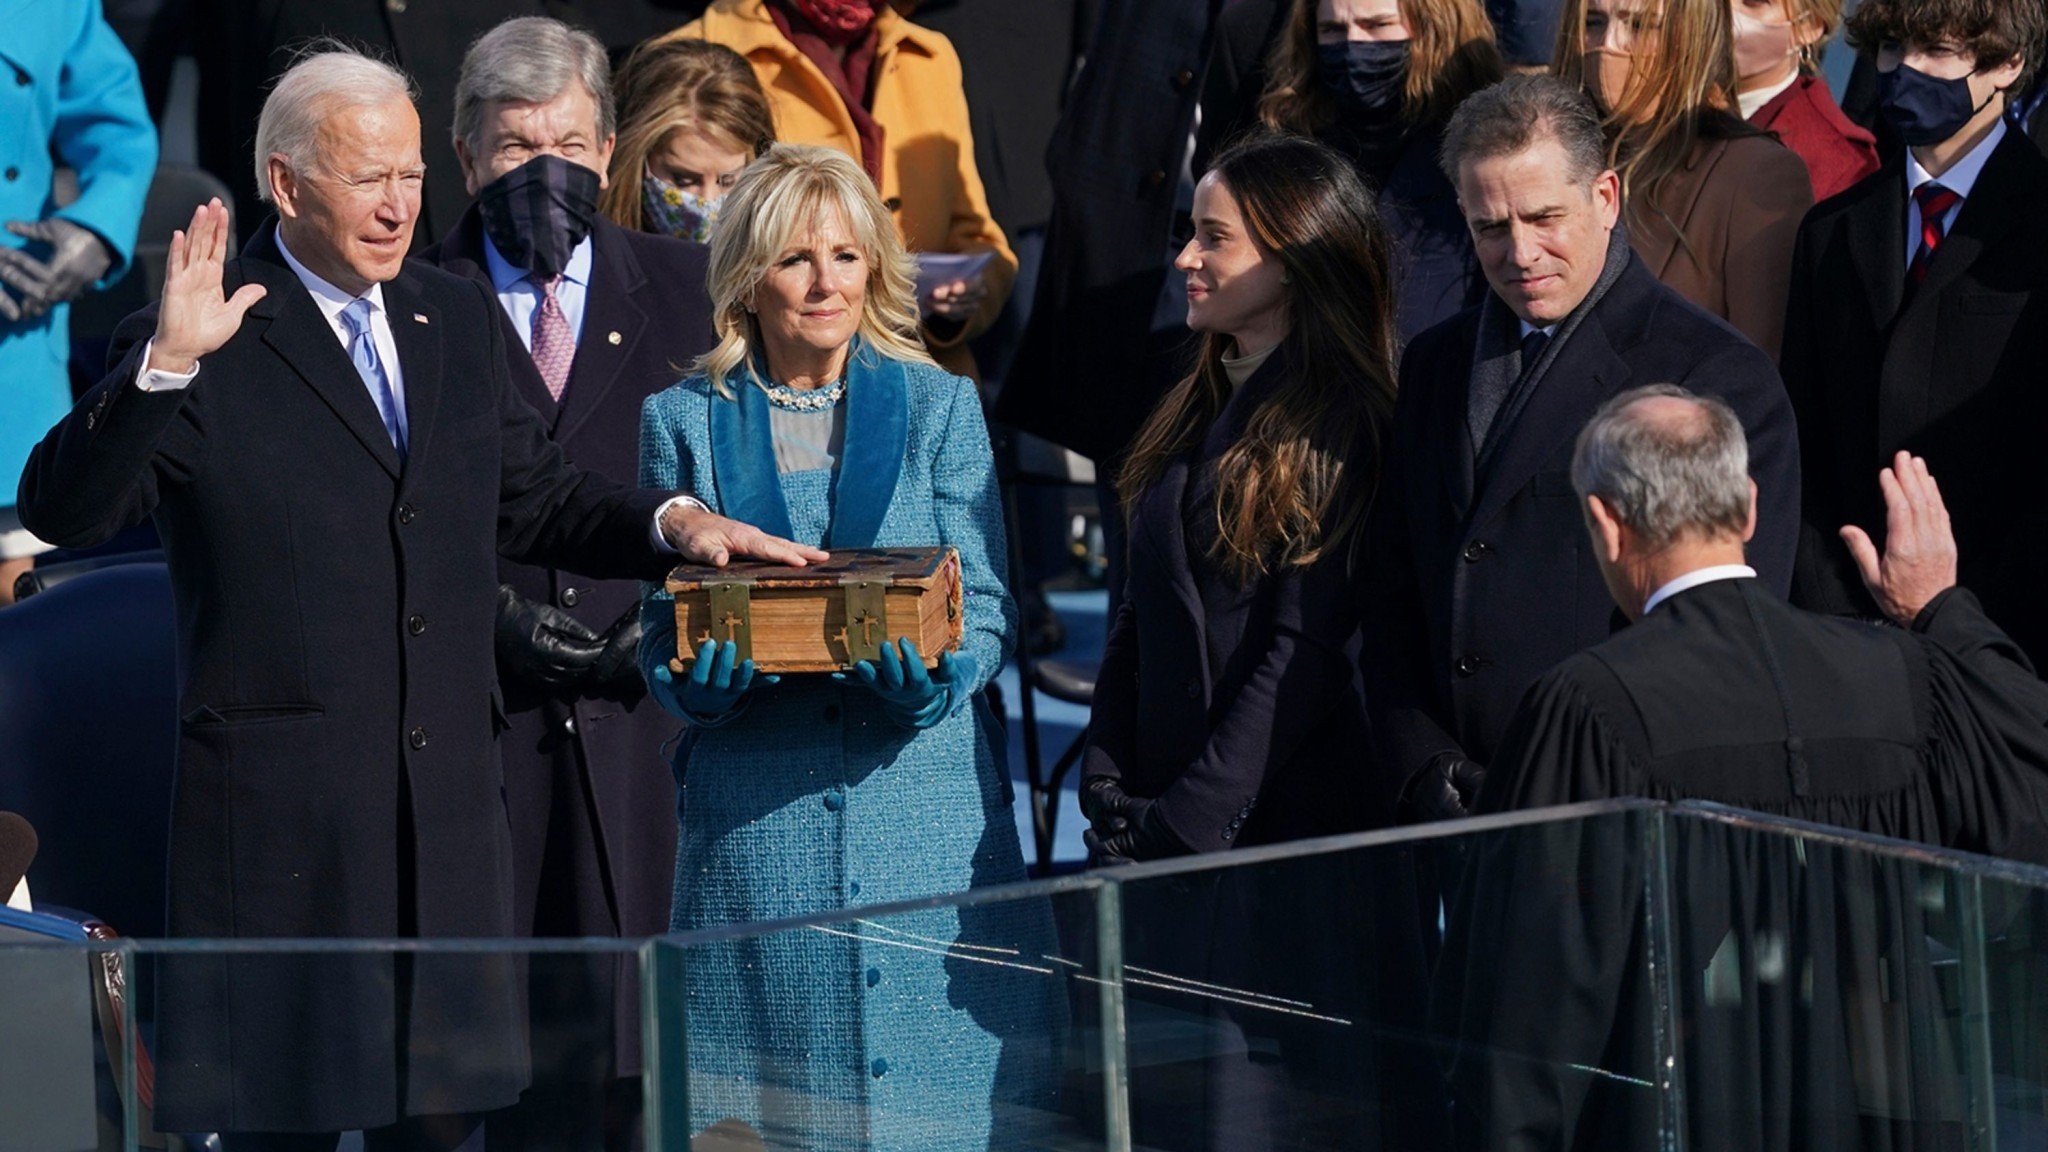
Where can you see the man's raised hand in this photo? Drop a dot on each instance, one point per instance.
(1919, 561)
(195, 317)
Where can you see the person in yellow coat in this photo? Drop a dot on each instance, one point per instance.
(857, 76)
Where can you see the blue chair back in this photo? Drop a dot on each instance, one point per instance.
(88, 736)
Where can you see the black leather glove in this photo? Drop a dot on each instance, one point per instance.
(77, 259)
(1445, 790)
(542, 647)
(616, 675)
(1104, 805)
(1137, 830)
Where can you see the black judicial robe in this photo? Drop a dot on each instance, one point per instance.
(1811, 1016)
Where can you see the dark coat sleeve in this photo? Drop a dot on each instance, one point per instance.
(104, 466)
(1988, 733)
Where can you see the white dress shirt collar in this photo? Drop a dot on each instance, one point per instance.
(505, 277)
(1694, 579)
(330, 299)
(1961, 177)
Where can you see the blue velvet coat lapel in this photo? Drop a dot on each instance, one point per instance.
(877, 430)
(743, 459)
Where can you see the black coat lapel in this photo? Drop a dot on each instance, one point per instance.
(416, 330)
(1996, 205)
(1586, 372)
(1877, 241)
(461, 253)
(1157, 526)
(306, 342)
(612, 328)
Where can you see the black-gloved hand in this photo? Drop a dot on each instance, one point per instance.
(616, 675)
(1445, 790)
(542, 647)
(1144, 836)
(1104, 805)
(77, 259)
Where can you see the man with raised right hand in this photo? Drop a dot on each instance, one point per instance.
(335, 456)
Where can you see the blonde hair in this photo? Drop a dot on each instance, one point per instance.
(669, 85)
(777, 199)
(1451, 55)
(1678, 94)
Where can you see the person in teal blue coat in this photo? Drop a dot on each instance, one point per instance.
(69, 94)
(819, 417)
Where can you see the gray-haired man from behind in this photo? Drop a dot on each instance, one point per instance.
(1723, 691)
(1802, 970)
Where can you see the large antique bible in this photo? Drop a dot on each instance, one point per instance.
(822, 618)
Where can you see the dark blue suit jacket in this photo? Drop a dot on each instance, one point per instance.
(1481, 587)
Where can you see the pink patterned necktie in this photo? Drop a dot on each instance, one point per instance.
(554, 347)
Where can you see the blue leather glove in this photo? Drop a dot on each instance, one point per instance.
(712, 693)
(911, 695)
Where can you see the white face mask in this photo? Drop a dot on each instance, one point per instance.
(1762, 48)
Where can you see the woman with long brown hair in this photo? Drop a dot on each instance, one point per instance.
(1228, 710)
(1377, 80)
(1712, 205)
(1245, 493)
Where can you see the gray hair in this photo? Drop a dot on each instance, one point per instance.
(1518, 113)
(1666, 477)
(530, 60)
(330, 75)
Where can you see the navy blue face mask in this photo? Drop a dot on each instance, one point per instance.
(1924, 109)
(1365, 77)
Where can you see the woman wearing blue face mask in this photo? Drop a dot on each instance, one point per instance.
(691, 115)
(1377, 80)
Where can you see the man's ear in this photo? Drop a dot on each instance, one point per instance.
(1607, 197)
(2005, 75)
(1749, 528)
(467, 163)
(1607, 529)
(284, 186)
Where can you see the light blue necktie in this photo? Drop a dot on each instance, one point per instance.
(362, 349)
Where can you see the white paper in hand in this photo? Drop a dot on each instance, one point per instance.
(936, 268)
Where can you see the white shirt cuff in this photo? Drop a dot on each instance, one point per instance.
(661, 543)
(156, 379)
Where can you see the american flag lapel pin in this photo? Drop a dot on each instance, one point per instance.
(420, 318)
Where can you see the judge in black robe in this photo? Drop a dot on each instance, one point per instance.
(1804, 985)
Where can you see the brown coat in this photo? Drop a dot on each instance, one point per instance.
(929, 179)
(1738, 204)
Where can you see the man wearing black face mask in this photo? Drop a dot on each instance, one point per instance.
(1918, 315)
(600, 318)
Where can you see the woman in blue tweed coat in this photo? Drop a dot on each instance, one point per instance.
(820, 419)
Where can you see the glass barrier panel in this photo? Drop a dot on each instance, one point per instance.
(974, 1023)
(1345, 995)
(2014, 956)
(56, 1084)
(506, 1043)
(1820, 988)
